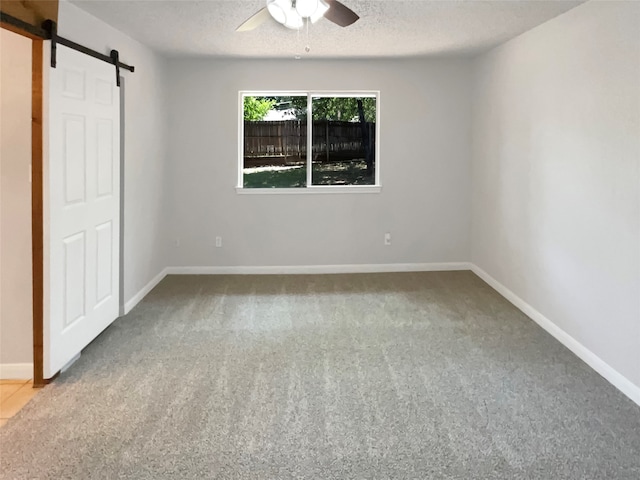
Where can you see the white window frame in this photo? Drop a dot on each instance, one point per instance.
(308, 189)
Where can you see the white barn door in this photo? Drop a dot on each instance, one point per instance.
(84, 208)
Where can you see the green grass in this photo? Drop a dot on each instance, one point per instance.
(339, 173)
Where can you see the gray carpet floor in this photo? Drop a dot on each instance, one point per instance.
(376, 376)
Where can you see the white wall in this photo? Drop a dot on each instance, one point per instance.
(16, 318)
(424, 160)
(145, 143)
(556, 176)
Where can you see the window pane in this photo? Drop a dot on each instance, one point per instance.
(275, 142)
(344, 140)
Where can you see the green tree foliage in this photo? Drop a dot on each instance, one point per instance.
(256, 108)
(345, 109)
(334, 108)
(323, 108)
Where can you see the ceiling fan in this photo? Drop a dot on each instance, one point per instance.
(292, 13)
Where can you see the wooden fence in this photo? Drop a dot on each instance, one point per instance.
(285, 142)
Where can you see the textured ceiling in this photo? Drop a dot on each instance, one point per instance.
(387, 28)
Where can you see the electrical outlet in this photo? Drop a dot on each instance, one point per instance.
(177, 242)
(218, 242)
(387, 238)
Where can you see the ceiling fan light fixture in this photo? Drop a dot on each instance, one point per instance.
(294, 20)
(306, 8)
(277, 9)
(321, 9)
(293, 13)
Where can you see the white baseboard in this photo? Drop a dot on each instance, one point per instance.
(609, 373)
(71, 362)
(15, 371)
(292, 269)
(133, 301)
(319, 269)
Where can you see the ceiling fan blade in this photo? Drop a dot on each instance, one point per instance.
(340, 14)
(254, 21)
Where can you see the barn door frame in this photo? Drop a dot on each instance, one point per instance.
(37, 218)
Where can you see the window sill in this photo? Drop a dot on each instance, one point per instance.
(310, 190)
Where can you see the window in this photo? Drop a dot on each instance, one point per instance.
(336, 150)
